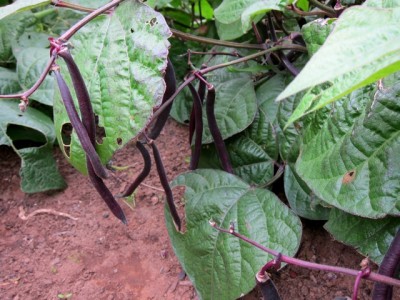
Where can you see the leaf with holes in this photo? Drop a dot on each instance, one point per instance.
(352, 162)
(38, 168)
(122, 57)
(371, 237)
(220, 265)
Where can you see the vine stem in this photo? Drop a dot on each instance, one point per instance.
(306, 264)
(74, 29)
(204, 40)
(192, 76)
(329, 10)
(64, 38)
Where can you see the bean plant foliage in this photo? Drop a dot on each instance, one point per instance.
(299, 98)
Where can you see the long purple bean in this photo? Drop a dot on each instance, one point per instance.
(88, 122)
(85, 105)
(198, 124)
(145, 172)
(390, 266)
(170, 82)
(106, 194)
(165, 185)
(216, 134)
(192, 120)
(78, 126)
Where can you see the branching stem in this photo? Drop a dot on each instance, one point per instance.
(309, 265)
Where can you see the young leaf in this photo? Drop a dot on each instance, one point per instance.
(362, 48)
(122, 57)
(371, 237)
(219, 265)
(352, 162)
(38, 168)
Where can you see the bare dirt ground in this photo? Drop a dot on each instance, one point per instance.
(49, 256)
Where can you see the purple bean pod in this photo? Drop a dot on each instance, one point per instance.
(76, 123)
(216, 134)
(145, 171)
(166, 187)
(198, 127)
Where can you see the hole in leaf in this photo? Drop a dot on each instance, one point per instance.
(186, 121)
(153, 21)
(349, 177)
(25, 137)
(119, 141)
(66, 132)
(100, 131)
(132, 30)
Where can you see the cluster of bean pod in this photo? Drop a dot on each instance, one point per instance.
(85, 128)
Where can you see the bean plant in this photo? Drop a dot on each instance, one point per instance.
(299, 98)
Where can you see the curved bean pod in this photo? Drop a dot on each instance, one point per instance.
(80, 130)
(170, 82)
(216, 134)
(145, 172)
(390, 266)
(198, 127)
(166, 187)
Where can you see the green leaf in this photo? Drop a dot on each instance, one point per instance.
(21, 5)
(38, 168)
(371, 237)
(10, 30)
(301, 199)
(382, 3)
(263, 130)
(362, 48)
(229, 31)
(8, 82)
(352, 162)
(220, 265)
(249, 160)
(257, 9)
(122, 59)
(316, 32)
(235, 107)
(30, 64)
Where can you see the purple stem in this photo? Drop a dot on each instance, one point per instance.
(309, 265)
(216, 134)
(361, 274)
(198, 127)
(145, 172)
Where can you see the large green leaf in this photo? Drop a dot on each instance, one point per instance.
(352, 162)
(219, 265)
(371, 237)
(122, 57)
(30, 64)
(235, 107)
(301, 199)
(20, 6)
(38, 168)
(362, 48)
(249, 160)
